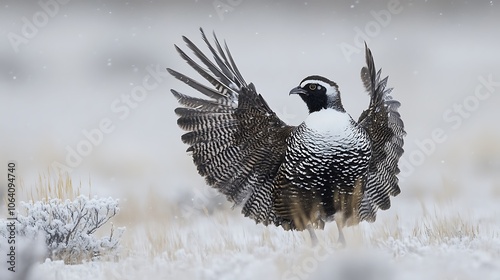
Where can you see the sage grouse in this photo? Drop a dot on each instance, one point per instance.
(330, 167)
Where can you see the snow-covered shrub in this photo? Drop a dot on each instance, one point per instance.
(69, 226)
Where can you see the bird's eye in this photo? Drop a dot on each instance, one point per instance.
(312, 86)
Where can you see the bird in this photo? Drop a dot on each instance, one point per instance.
(328, 168)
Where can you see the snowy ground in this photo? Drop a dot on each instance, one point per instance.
(72, 71)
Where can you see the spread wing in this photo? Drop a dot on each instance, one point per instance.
(383, 124)
(236, 140)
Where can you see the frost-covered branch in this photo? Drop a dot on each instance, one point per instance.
(69, 226)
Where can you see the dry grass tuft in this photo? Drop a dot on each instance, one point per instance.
(431, 230)
(52, 186)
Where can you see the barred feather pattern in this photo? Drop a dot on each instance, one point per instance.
(318, 178)
(383, 124)
(237, 142)
(280, 174)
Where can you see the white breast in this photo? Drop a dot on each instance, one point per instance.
(330, 123)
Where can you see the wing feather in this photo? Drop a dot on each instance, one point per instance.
(224, 80)
(231, 60)
(201, 104)
(383, 124)
(197, 86)
(237, 142)
(222, 88)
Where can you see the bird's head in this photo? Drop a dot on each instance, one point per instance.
(319, 93)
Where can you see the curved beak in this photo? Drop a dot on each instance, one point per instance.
(297, 90)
